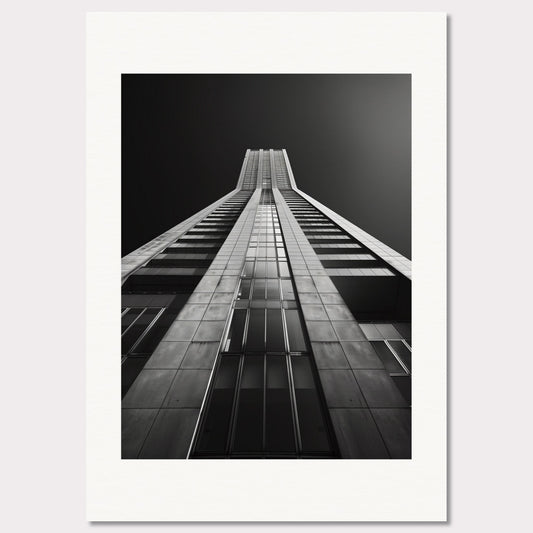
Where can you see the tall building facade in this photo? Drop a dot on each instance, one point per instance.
(266, 326)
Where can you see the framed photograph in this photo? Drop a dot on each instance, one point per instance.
(266, 204)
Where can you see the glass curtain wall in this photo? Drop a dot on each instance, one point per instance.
(264, 398)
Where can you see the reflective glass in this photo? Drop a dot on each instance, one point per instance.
(236, 331)
(279, 426)
(313, 431)
(272, 269)
(260, 269)
(131, 336)
(295, 331)
(244, 291)
(259, 289)
(255, 338)
(403, 352)
(130, 317)
(248, 269)
(214, 435)
(249, 423)
(388, 359)
(273, 289)
(275, 341)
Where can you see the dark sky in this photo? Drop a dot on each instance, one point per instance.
(348, 138)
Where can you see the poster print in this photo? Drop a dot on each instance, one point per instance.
(259, 322)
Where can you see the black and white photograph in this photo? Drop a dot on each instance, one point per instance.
(266, 266)
(267, 253)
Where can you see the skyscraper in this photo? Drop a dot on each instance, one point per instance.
(266, 326)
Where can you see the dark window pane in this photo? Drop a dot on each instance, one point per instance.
(302, 373)
(255, 339)
(244, 290)
(157, 331)
(149, 314)
(227, 372)
(273, 289)
(249, 424)
(236, 331)
(214, 434)
(403, 352)
(248, 269)
(388, 359)
(252, 372)
(259, 289)
(295, 332)
(288, 289)
(130, 317)
(279, 428)
(311, 422)
(137, 329)
(275, 341)
(277, 372)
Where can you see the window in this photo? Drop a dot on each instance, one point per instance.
(255, 337)
(279, 422)
(129, 317)
(244, 290)
(402, 351)
(214, 436)
(140, 321)
(275, 340)
(388, 358)
(313, 432)
(248, 269)
(295, 331)
(249, 416)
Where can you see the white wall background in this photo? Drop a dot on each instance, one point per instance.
(42, 128)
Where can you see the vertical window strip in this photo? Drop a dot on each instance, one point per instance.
(263, 334)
